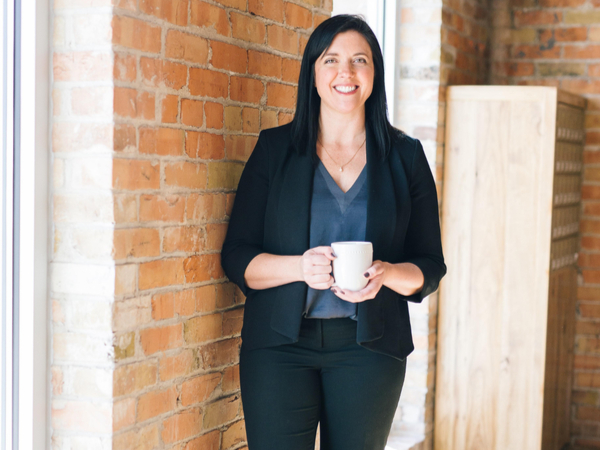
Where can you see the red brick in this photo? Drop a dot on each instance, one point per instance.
(271, 9)
(240, 5)
(174, 11)
(590, 242)
(297, 16)
(134, 377)
(221, 411)
(179, 365)
(588, 293)
(229, 57)
(587, 362)
(208, 83)
(582, 52)
(136, 242)
(591, 276)
(564, 34)
(560, 3)
(535, 51)
(170, 208)
(206, 207)
(589, 309)
(208, 441)
(204, 145)
(214, 115)
(183, 239)
(155, 403)
(132, 174)
(246, 90)
(209, 16)
(222, 353)
(588, 413)
(265, 64)
(134, 33)
(202, 268)
(181, 303)
(536, 17)
(182, 426)
(124, 68)
(232, 322)
(202, 329)
(281, 95)
(231, 379)
(239, 147)
(132, 103)
(187, 47)
(282, 39)
(186, 174)
(158, 73)
(591, 137)
(247, 28)
(170, 109)
(290, 69)
(591, 156)
(590, 260)
(123, 137)
(285, 118)
(161, 338)
(591, 174)
(587, 379)
(251, 120)
(192, 112)
(318, 19)
(161, 141)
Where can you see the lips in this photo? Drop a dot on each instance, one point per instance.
(345, 89)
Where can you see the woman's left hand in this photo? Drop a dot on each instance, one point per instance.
(376, 276)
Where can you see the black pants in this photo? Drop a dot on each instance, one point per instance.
(326, 377)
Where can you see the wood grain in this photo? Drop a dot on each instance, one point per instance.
(500, 371)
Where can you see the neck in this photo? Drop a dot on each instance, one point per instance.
(337, 129)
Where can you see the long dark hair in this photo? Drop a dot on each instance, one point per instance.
(305, 126)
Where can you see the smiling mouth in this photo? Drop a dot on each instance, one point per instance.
(346, 89)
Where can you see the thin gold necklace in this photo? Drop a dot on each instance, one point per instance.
(349, 161)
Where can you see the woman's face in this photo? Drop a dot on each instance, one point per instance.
(344, 74)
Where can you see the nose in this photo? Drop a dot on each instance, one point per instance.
(346, 69)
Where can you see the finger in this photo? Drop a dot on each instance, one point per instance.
(320, 278)
(325, 251)
(320, 270)
(318, 260)
(376, 269)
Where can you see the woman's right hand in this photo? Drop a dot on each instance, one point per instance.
(315, 267)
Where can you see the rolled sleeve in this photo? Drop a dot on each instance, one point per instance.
(423, 243)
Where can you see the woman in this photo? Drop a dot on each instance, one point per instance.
(312, 352)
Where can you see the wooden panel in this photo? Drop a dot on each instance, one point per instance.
(496, 214)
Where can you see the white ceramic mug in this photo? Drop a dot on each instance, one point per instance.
(353, 260)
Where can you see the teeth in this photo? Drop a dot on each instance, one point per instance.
(345, 89)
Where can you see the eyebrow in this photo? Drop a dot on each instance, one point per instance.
(337, 54)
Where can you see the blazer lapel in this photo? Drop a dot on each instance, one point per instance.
(293, 218)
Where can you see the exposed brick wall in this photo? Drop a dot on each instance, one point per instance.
(82, 277)
(156, 107)
(416, 113)
(441, 43)
(557, 43)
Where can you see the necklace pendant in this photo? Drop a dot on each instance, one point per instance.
(341, 169)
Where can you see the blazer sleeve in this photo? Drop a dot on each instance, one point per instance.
(244, 239)
(423, 243)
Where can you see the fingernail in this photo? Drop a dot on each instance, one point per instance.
(334, 255)
(342, 292)
(366, 274)
(333, 290)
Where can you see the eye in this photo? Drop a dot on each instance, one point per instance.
(329, 61)
(360, 60)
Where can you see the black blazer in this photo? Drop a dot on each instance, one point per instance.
(271, 214)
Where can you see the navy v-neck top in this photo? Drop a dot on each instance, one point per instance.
(335, 216)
